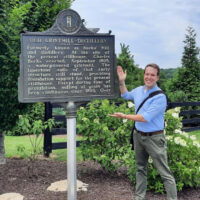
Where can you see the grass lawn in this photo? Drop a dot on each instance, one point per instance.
(12, 143)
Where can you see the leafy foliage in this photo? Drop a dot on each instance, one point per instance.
(106, 138)
(107, 142)
(34, 128)
(16, 17)
(165, 74)
(183, 152)
(36, 113)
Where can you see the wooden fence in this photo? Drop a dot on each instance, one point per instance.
(189, 111)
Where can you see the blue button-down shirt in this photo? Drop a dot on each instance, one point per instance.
(153, 109)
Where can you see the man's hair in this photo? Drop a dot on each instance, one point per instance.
(155, 66)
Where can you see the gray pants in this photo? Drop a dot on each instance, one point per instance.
(154, 146)
(2, 150)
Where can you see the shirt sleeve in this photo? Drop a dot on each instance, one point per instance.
(156, 107)
(128, 95)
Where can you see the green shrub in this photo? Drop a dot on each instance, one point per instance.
(35, 113)
(34, 128)
(183, 154)
(107, 142)
(177, 96)
(106, 138)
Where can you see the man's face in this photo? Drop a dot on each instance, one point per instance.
(150, 77)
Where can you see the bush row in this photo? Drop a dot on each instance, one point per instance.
(107, 143)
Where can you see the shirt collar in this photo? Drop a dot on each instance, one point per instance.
(151, 90)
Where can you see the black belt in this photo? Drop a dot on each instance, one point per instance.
(150, 133)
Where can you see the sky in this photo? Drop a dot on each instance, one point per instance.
(154, 30)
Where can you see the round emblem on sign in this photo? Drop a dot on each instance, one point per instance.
(69, 21)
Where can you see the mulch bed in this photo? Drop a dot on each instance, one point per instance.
(32, 180)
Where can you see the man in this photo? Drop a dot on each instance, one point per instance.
(149, 138)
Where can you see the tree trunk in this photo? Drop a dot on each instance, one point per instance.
(2, 150)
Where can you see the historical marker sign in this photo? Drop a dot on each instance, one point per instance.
(67, 63)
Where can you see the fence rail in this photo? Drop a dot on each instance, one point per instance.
(191, 122)
(180, 104)
(63, 145)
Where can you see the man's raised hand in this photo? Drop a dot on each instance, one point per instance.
(121, 74)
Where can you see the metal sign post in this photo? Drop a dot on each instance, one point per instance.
(71, 150)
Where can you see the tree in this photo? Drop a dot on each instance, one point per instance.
(134, 73)
(17, 16)
(186, 81)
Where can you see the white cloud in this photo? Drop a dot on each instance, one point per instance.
(154, 29)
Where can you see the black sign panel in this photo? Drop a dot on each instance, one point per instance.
(63, 67)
